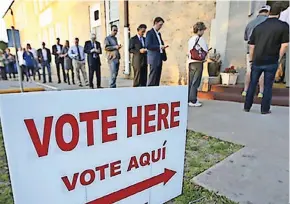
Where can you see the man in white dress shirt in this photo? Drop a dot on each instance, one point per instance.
(155, 52)
(77, 53)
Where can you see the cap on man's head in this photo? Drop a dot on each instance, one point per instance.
(265, 8)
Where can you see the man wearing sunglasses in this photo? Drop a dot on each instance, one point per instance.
(113, 55)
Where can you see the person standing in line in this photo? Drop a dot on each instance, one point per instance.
(36, 64)
(21, 60)
(268, 44)
(10, 62)
(156, 53)
(56, 51)
(263, 15)
(44, 57)
(93, 50)
(113, 55)
(67, 62)
(77, 53)
(29, 62)
(198, 45)
(137, 48)
(2, 65)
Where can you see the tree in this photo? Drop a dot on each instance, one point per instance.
(3, 45)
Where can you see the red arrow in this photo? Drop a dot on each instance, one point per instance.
(136, 188)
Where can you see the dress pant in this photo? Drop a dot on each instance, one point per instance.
(114, 68)
(46, 64)
(269, 77)
(155, 74)
(57, 64)
(140, 75)
(80, 67)
(95, 67)
(194, 79)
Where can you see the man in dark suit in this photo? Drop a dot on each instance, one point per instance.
(44, 58)
(155, 52)
(137, 48)
(93, 50)
(56, 51)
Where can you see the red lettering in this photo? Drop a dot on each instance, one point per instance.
(40, 147)
(62, 144)
(163, 110)
(115, 168)
(134, 121)
(70, 185)
(148, 118)
(102, 171)
(91, 174)
(174, 113)
(106, 125)
(89, 117)
(133, 163)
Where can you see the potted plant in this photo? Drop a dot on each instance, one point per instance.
(229, 76)
(214, 64)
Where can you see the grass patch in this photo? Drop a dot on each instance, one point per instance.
(202, 152)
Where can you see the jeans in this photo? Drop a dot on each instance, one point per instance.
(269, 77)
(47, 65)
(194, 79)
(114, 68)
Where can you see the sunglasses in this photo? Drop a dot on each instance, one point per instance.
(115, 30)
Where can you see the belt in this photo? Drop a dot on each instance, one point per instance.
(80, 60)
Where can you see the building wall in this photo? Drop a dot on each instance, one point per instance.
(40, 20)
(233, 17)
(179, 18)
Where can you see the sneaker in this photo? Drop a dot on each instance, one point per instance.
(196, 104)
(260, 95)
(244, 93)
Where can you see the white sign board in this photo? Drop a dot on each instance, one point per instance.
(106, 146)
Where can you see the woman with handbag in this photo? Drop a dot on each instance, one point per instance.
(197, 51)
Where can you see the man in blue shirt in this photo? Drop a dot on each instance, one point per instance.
(77, 53)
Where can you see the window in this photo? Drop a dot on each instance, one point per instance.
(58, 30)
(51, 35)
(45, 17)
(35, 5)
(112, 14)
(96, 15)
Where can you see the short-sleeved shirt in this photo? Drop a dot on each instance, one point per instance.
(251, 25)
(267, 38)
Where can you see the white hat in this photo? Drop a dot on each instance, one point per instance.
(266, 7)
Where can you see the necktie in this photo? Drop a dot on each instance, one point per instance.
(79, 54)
(93, 45)
(141, 41)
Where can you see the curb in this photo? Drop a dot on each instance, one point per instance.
(35, 89)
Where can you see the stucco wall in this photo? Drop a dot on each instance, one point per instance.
(235, 53)
(179, 18)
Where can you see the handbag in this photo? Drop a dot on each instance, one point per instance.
(199, 54)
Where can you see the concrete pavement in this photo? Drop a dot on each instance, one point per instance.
(258, 173)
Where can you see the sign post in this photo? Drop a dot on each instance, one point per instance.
(94, 147)
(17, 60)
